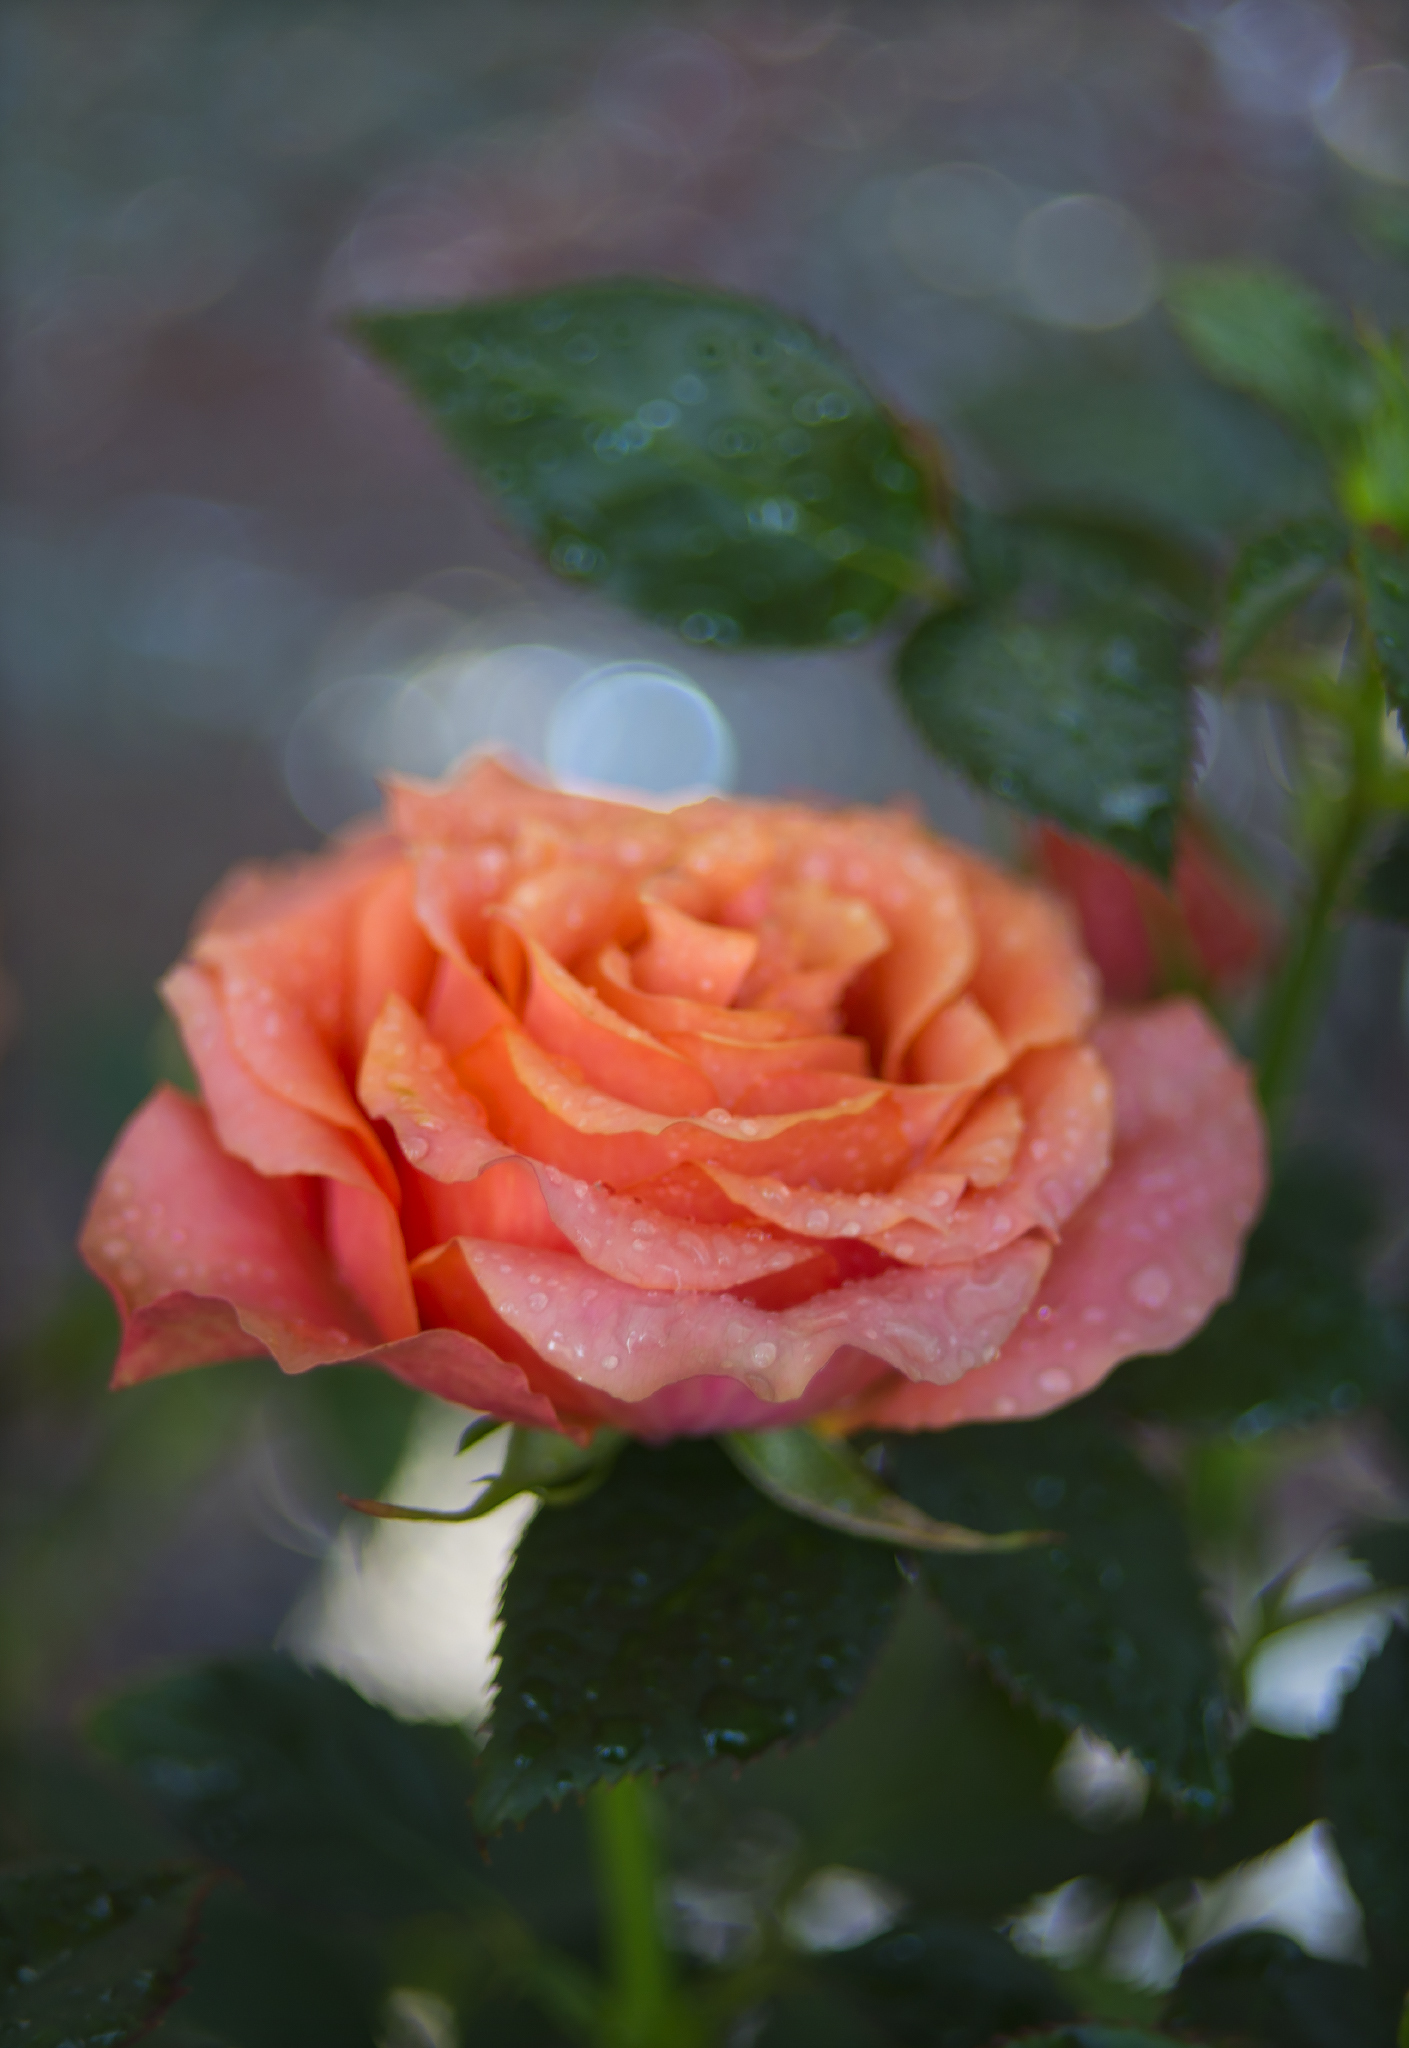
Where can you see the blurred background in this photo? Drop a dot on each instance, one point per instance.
(241, 578)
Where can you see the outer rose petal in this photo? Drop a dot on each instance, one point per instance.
(1154, 1249)
(205, 1258)
(630, 1341)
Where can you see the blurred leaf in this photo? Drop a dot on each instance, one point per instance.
(823, 1479)
(1095, 2034)
(1367, 1799)
(264, 1979)
(674, 1617)
(1263, 1987)
(698, 457)
(290, 1778)
(1107, 1628)
(1077, 714)
(90, 1956)
(1384, 893)
(1273, 574)
(1382, 566)
(1299, 1340)
(1264, 332)
(1072, 553)
(358, 1420)
(1375, 484)
(931, 1984)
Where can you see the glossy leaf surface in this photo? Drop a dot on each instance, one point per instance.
(91, 1957)
(1266, 333)
(1273, 573)
(1262, 1986)
(1106, 1626)
(297, 1783)
(700, 458)
(674, 1617)
(1299, 1341)
(1367, 1799)
(1071, 708)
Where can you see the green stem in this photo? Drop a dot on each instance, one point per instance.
(641, 2009)
(1291, 1007)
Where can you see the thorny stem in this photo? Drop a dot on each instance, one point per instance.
(1291, 1006)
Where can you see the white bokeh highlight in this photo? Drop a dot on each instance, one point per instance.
(634, 726)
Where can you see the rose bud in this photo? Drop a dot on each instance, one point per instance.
(1208, 928)
(721, 1117)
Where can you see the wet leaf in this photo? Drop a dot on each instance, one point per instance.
(1274, 572)
(91, 1956)
(1107, 1626)
(1382, 566)
(823, 1479)
(302, 1787)
(1266, 333)
(1384, 893)
(674, 1617)
(700, 458)
(1264, 1987)
(1300, 1340)
(1367, 1800)
(1071, 706)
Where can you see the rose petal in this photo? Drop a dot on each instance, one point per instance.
(459, 1368)
(738, 1072)
(609, 973)
(709, 1404)
(618, 1057)
(985, 1146)
(369, 1256)
(1156, 1247)
(390, 951)
(681, 956)
(958, 1048)
(572, 908)
(205, 1258)
(629, 1341)
(1031, 978)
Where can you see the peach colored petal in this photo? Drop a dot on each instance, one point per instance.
(274, 1135)
(364, 1240)
(616, 1056)
(462, 1006)
(920, 893)
(573, 908)
(1031, 977)
(630, 1341)
(958, 1047)
(455, 888)
(985, 1146)
(390, 950)
(609, 973)
(489, 1192)
(458, 1368)
(734, 1068)
(1068, 1125)
(825, 1213)
(490, 799)
(1154, 1250)
(205, 1258)
(710, 1403)
(706, 963)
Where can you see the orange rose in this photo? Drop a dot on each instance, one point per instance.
(705, 1119)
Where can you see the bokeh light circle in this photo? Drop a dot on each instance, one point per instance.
(637, 726)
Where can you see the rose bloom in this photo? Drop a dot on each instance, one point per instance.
(721, 1117)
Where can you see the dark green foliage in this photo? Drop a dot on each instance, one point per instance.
(1384, 893)
(291, 1779)
(929, 1984)
(1092, 2034)
(1106, 1626)
(1382, 566)
(1266, 333)
(1385, 1548)
(1367, 1800)
(266, 1979)
(1299, 1341)
(90, 1957)
(1274, 572)
(1073, 710)
(674, 1617)
(1262, 1987)
(697, 457)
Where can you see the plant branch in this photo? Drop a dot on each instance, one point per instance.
(641, 2009)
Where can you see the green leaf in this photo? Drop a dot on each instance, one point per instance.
(1299, 1341)
(1266, 333)
(1384, 893)
(266, 1978)
(1385, 1548)
(896, 1986)
(1265, 1987)
(539, 1461)
(1107, 1627)
(1094, 2034)
(291, 1779)
(1072, 708)
(823, 1479)
(1367, 1799)
(1074, 553)
(672, 1618)
(1382, 567)
(697, 457)
(1275, 572)
(91, 1956)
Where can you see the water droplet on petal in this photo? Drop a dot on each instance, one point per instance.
(1151, 1287)
(1054, 1380)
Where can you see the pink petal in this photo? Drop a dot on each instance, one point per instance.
(205, 1258)
(461, 1369)
(1153, 1251)
(369, 1257)
(629, 1341)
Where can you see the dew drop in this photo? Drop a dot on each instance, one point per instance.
(817, 1219)
(1054, 1380)
(414, 1147)
(610, 1362)
(1151, 1287)
(764, 1354)
(538, 1301)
